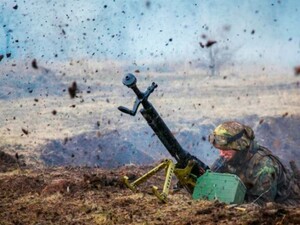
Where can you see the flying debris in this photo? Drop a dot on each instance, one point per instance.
(25, 131)
(208, 44)
(297, 70)
(73, 90)
(34, 64)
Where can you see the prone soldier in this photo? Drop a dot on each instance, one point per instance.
(265, 177)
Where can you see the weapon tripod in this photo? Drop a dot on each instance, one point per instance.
(187, 168)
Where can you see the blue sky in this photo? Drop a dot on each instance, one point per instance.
(153, 30)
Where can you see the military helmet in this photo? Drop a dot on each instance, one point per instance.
(232, 135)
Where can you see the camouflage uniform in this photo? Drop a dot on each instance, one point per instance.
(265, 177)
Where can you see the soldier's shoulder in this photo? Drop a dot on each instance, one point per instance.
(264, 163)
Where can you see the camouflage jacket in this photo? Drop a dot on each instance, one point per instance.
(265, 177)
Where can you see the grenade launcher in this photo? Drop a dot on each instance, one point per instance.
(188, 167)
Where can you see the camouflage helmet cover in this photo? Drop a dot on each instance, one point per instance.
(232, 135)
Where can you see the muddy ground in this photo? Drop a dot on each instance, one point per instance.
(66, 195)
(62, 159)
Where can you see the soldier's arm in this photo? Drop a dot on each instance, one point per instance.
(264, 175)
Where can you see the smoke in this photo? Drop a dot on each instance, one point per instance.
(264, 32)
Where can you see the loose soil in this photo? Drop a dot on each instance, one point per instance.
(64, 195)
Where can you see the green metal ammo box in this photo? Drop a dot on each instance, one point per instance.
(224, 187)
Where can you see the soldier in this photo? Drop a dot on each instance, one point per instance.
(265, 177)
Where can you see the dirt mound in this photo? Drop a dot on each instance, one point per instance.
(141, 146)
(57, 186)
(91, 149)
(97, 196)
(281, 136)
(7, 162)
(17, 185)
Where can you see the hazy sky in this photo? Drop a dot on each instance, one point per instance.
(154, 30)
